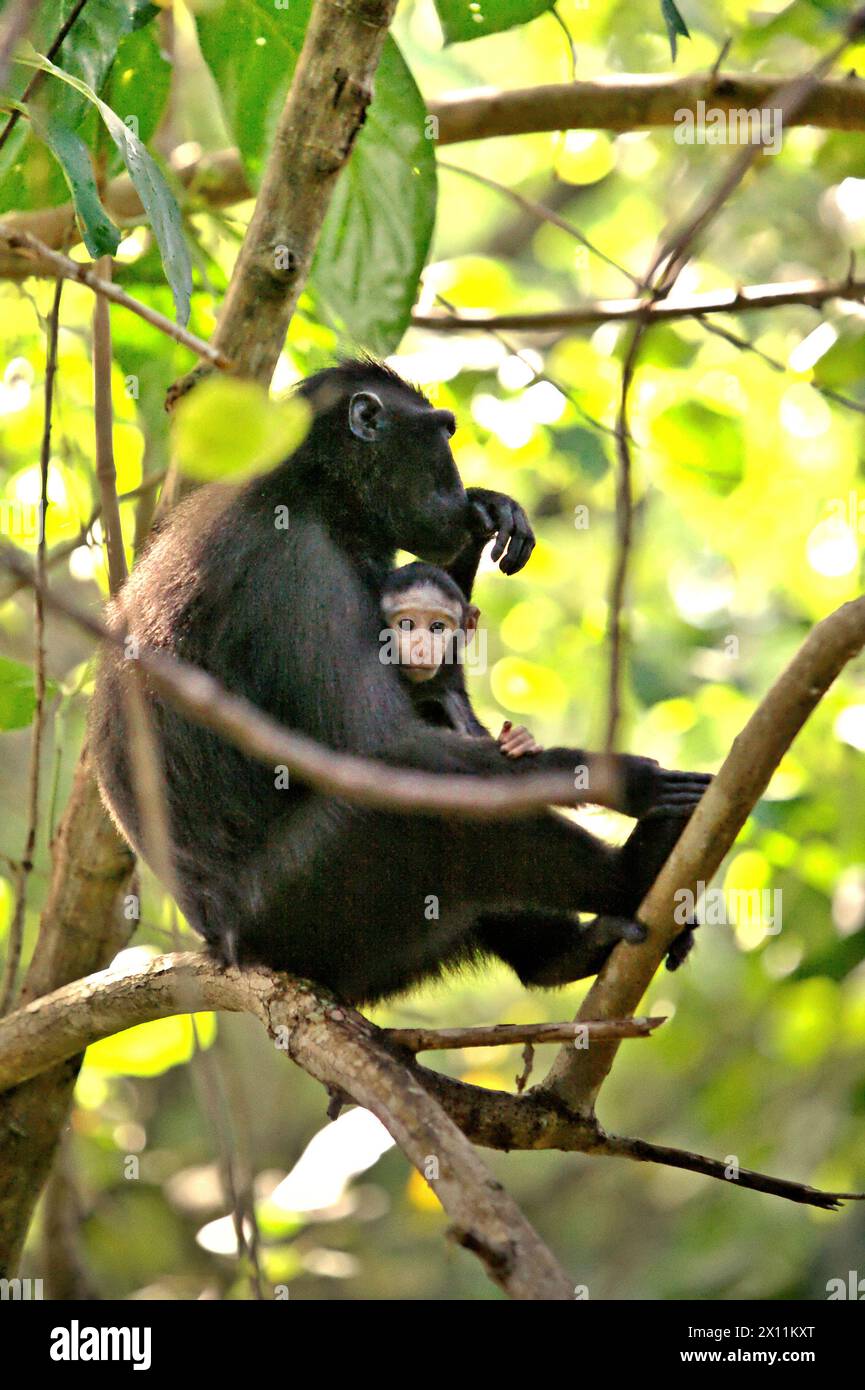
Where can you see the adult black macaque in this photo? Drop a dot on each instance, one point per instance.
(364, 902)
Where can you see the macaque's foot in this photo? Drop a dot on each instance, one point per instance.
(586, 953)
(681, 947)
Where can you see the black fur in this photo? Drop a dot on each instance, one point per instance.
(364, 902)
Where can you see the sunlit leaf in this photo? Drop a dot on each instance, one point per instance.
(151, 1048)
(378, 228)
(471, 19)
(229, 428)
(18, 693)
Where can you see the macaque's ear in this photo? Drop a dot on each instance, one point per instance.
(366, 416)
(471, 621)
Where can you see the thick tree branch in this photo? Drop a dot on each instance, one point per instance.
(576, 1077)
(632, 101)
(334, 1044)
(331, 1042)
(325, 109)
(635, 101)
(68, 269)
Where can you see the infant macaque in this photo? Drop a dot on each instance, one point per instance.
(433, 623)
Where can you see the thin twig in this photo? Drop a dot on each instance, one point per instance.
(569, 39)
(506, 1034)
(624, 536)
(542, 213)
(536, 375)
(16, 929)
(28, 244)
(613, 1146)
(103, 418)
(737, 341)
(812, 293)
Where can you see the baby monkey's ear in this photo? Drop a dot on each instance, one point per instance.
(471, 621)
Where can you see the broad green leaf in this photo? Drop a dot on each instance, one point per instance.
(378, 228)
(28, 178)
(101, 237)
(228, 428)
(471, 19)
(675, 24)
(156, 197)
(18, 693)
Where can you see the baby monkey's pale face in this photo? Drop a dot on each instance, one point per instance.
(425, 621)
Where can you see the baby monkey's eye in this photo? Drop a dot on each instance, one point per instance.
(406, 625)
(437, 627)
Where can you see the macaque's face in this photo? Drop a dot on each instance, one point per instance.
(426, 622)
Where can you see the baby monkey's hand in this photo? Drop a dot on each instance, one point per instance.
(517, 742)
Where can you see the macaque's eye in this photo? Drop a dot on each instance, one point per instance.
(406, 625)
(437, 627)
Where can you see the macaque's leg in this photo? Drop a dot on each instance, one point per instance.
(548, 949)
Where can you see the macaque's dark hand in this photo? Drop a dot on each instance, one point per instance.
(496, 514)
(653, 790)
(517, 741)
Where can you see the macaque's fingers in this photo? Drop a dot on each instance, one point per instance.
(522, 542)
(486, 524)
(519, 743)
(503, 538)
(518, 554)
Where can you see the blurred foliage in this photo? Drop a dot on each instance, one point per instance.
(750, 516)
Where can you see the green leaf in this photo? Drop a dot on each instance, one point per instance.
(471, 19)
(379, 225)
(675, 24)
(137, 85)
(18, 693)
(586, 447)
(156, 197)
(27, 177)
(101, 237)
(229, 428)
(376, 236)
(703, 446)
